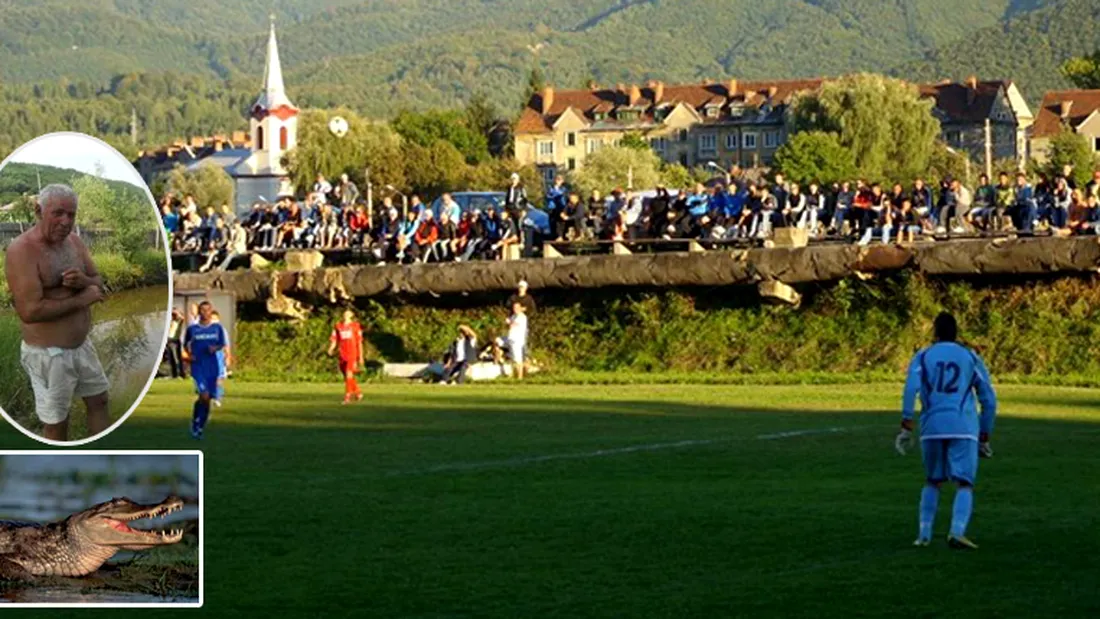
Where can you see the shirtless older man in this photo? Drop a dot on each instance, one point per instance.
(54, 283)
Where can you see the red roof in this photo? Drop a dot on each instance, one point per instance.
(532, 120)
(1048, 121)
(963, 103)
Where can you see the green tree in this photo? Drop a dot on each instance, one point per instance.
(128, 217)
(366, 144)
(210, 184)
(1070, 148)
(427, 128)
(536, 82)
(883, 121)
(815, 156)
(481, 114)
(614, 166)
(432, 170)
(676, 176)
(1083, 71)
(634, 140)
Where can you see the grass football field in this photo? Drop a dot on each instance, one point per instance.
(622, 501)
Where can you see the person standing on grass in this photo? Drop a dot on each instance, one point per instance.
(173, 350)
(349, 336)
(202, 342)
(53, 283)
(947, 375)
(224, 360)
(516, 342)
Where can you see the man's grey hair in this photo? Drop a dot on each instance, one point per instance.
(56, 191)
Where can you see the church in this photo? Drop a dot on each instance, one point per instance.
(253, 162)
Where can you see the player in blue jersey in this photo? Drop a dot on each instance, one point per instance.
(202, 342)
(947, 376)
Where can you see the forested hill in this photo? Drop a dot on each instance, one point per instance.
(193, 66)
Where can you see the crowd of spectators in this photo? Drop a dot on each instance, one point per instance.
(334, 216)
(859, 211)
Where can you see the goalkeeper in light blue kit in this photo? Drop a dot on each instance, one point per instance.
(947, 375)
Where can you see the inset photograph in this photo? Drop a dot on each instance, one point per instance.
(84, 301)
(100, 528)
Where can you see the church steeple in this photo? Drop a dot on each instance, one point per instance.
(273, 99)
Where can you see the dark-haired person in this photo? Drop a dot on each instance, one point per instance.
(53, 283)
(947, 376)
(202, 342)
(348, 336)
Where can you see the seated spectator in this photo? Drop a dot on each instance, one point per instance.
(473, 234)
(1061, 199)
(406, 237)
(217, 243)
(358, 224)
(447, 246)
(907, 222)
(508, 235)
(427, 233)
(1080, 217)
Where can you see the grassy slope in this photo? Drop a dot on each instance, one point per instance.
(424, 502)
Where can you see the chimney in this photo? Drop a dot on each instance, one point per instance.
(635, 95)
(547, 99)
(707, 81)
(972, 82)
(971, 90)
(731, 88)
(1063, 109)
(592, 85)
(772, 91)
(658, 91)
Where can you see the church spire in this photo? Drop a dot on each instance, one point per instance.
(274, 93)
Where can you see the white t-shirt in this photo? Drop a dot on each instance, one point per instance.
(517, 329)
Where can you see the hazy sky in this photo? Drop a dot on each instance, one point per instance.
(78, 152)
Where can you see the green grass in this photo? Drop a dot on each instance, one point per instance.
(428, 501)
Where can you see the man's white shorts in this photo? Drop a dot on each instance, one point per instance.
(58, 374)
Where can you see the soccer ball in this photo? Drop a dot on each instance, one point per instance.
(338, 126)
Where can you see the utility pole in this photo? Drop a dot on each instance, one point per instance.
(370, 196)
(988, 150)
(133, 125)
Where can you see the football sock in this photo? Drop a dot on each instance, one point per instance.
(203, 412)
(960, 517)
(219, 392)
(353, 386)
(195, 416)
(929, 500)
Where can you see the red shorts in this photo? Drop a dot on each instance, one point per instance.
(349, 366)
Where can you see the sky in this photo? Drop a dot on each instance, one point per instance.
(78, 152)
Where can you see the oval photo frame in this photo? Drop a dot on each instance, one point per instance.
(62, 150)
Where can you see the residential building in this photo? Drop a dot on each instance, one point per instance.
(965, 109)
(725, 123)
(1075, 110)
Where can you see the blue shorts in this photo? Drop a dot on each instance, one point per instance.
(205, 383)
(950, 459)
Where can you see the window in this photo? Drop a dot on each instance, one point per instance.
(572, 164)
(708, 143)
(954, 138)
(731, 141)
(659, 144)
(683, 135)
(770, 139)
(593, 145)
(1096, 144)
(684, 159)
(571, 139)
(599, 115)
(748, 140)
(546, 148)
(737, 110)
(712, 111)
(282, 138)
(260, 137)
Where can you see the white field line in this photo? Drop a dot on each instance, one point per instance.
(507, 463)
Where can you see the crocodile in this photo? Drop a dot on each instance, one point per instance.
(81, 543)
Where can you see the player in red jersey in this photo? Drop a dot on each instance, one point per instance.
(349, 335)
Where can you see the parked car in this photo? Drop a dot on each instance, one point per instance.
(481, 200)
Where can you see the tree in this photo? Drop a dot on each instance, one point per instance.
(366, 144)
(815, 156)
(634, 140)
(426, 128)
(613, 166)
(536, 82)
(1083, 71)
(210, 184)
(433, 170)
(676, 176)
(1069, 148)
(884, 122)
(481, 114)
(129, 218)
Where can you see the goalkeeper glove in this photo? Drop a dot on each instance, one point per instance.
(985, 450)
(904, 441)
